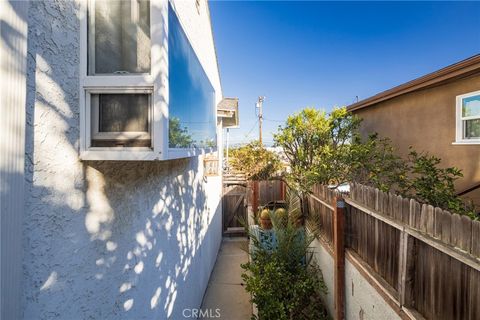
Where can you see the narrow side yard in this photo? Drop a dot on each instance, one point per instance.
(225, 292)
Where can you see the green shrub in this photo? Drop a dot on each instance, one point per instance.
(284, 283)
(428, 183)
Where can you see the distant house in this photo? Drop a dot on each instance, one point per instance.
(108, 111)
(438, 113)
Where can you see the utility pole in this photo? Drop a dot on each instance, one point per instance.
(260, 117)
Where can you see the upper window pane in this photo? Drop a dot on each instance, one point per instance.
(471, 106)
(119, 37)
(192, 116)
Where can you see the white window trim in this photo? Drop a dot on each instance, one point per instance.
(156, 82)
(459, 132)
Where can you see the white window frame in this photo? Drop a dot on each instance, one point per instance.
(460, 129)
(155, 82)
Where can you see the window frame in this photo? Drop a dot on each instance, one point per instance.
(156, 82)
(460, 124)
(153, 83)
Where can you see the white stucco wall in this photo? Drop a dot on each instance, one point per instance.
(107, 240)
(325, 262)
(362, 301)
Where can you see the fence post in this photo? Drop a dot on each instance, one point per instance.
(255, 197)
(339, 256)
(406, 268)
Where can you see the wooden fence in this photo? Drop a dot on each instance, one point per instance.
(265, 191)
(321, 212)
(424, 258)
(240, 196)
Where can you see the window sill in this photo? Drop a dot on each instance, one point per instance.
(120, 154)
(140, 154)
(466, 142)
(186, 153)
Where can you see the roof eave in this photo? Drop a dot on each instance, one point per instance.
(458, 70)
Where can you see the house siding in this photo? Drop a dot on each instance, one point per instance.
(108, 239)
(13, 53)
(425, 119)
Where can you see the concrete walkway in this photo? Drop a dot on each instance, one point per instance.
(225, 291)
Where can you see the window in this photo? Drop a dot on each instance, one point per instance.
(120, 119)
(192, 113)
(120, 109)
(144, 94)
(468, 118)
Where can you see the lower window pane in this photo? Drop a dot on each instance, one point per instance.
(472, 129)
(123, 112)
(120, 120)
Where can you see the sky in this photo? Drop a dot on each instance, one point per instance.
(325, 54)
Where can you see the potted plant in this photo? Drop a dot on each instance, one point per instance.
(265, 219)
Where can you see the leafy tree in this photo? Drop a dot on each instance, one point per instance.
(255, 161)
(374, 162)
(328, 149)
(318, 147)
(178, 136)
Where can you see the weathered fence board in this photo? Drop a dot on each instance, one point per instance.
(376, 243)
(320, 210)
(475, 250)
(430, 257)
(452, 229)
(444, 288)
(271, 190)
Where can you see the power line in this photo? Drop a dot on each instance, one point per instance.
(253, 127)
(273, 120)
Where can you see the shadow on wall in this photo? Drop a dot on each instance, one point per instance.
(161, 249)
(103, 240)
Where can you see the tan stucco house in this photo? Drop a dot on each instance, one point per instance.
(438, 113)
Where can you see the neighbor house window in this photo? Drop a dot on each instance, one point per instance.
(468, 118)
